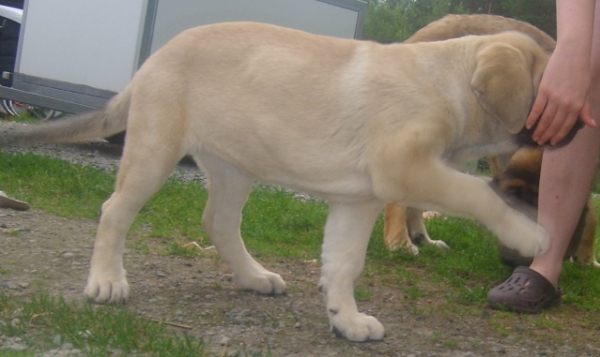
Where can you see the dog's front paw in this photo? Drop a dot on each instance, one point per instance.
(356, 327)
(524, 235)
(263, 282)
(106, 289)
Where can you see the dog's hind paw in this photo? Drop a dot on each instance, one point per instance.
(440, 244)
(107, 291)
(357, 327)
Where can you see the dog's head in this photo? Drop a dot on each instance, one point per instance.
(454, 26)
(518, 185)
(519, 180)
(509, 67)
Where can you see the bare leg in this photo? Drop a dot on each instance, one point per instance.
(567, 174)
(565, 182)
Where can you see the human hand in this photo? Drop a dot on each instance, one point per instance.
(562, 98)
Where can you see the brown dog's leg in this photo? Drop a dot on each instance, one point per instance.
(585, 254)
(395, 231)
(417, 231)
(404, 229)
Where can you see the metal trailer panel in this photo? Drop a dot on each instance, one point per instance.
(74, 55)
(318, 17)
(95, 43)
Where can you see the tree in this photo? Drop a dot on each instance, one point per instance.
(395, 20)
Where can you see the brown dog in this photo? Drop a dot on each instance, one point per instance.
(518, 183)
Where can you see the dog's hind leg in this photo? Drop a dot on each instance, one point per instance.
(137, 180)
(347, 234)
(586, 252)
(418, 231)
(395, 230)
(228, 191)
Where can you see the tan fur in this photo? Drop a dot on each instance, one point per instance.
(449, 27)
(455, 26)
(356, 123)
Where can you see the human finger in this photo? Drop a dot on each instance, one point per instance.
(586, 115)
(536, 110)
(547, 119)
(566, 127)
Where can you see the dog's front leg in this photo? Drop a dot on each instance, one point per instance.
(459, 193)
(347, 234)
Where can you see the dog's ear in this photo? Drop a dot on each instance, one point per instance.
(505, 82)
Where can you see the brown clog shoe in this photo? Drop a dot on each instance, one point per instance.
(526, 291)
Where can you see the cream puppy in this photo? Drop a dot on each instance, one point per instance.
(356, 123)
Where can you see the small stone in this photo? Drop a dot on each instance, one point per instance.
(66, 346)
(56, 339)
(12, 285)
(161, 274)
(298, 325)
(85, 334)
(68, 255)
(16, 347)
(224, 341)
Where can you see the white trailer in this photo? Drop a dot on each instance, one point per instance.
(74, 55)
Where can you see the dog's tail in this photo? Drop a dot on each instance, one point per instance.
(102, 123)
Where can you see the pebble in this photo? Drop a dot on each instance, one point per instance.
(225, 341)
(11, 285)
(16, 347)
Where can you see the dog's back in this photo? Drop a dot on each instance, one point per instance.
(454, 26)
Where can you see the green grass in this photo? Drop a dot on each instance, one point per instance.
(96, 330)
(275, 225)
(274, 222)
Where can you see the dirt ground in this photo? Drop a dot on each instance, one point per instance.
(50, 253)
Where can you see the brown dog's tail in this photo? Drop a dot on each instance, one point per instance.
(102, 123)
